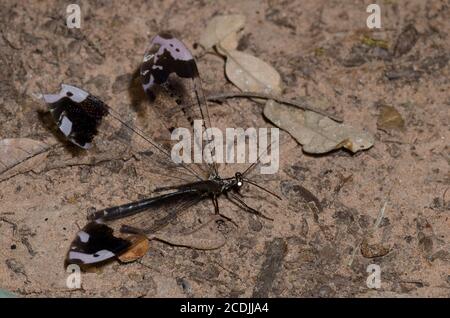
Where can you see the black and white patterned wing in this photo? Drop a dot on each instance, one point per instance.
(82, 117)
(111, 233)
(164, 56)
(170, 69)
(77, 113)
(96, 243)
(171, 79)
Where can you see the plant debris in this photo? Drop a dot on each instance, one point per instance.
(373, 250)
(390, 119)
(374, 42)
(250, 73)
(317, 134)
(221, 28)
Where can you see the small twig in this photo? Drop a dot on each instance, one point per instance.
(443, 198)
(355, 250)
(415, 282)
(228, 270)
(48, 292)
(27, 244)
(370, 231)
(302, 104)
(394, 141)
(380, 216)
(9, 42)
(343, 180)
(92, 45)
(31, 155)
(13, 225)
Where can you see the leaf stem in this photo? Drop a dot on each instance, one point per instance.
(301, 103)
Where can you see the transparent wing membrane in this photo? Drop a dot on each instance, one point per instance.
(170, 78)
(169, 72)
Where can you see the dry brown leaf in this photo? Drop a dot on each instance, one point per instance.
(219, 28)
(251, 74)
(140, 246)
(389, 118)
(229, 43)
(21, 154)
(317, 133)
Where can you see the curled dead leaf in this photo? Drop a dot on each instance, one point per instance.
(317, 133)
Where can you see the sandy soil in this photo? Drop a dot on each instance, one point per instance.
(318, 49)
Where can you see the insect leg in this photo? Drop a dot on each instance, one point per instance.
(236, 200)
(217, 211)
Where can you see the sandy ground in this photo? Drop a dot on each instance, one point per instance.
(318, 49)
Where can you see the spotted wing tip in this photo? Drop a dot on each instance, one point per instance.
(96, 244)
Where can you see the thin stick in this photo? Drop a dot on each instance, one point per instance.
(370, 231)
(302, 104)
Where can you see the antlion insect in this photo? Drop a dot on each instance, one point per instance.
(170, 66)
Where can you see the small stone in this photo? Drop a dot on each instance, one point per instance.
(15, 266)
(325, 291)
(373, 250)
(406, 40)
(185, 285)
